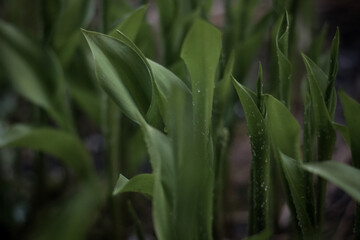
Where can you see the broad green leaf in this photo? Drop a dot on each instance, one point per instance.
(344, 176)
(259, 173)
(135, 83)
(193, 193)
(62, 145)
(131, 24)
(316, 73)
(165, 81)
(201, 52)
(352, 116)
(142, 183)
(72, 218)
(284, 128)
(35, 73)
(295, 177)
(122, 74)
(161, 157)
(284, 132)
(284, 64)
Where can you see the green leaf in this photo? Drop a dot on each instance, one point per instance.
(35, 73)
(284, 64)
(165, 81)
(131, 24)
(222, 94)
(142, 183)
(161, 157)
(260, 164)
(352, 116)
(201, 52)
(322, 123)
(345, 177)
(295, 177)
(284, 132)
(322, 120)
(193, 193)
(122, 74)
(64, 146)
(284, 128)
(352, 135)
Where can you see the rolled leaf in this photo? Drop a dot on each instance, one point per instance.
(260, 163)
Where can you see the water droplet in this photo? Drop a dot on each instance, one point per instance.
(198, 91)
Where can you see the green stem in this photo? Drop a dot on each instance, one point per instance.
(220, 161)
(111, 130)
(326, 145)
(309, 142)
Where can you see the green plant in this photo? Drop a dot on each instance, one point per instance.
(177, 108)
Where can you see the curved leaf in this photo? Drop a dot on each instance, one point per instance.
(161, 157)
(165, 81)
(143, 183)
(122, 74)
(57, 143)
(352, 116)
(284, 128)
(345, 177)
